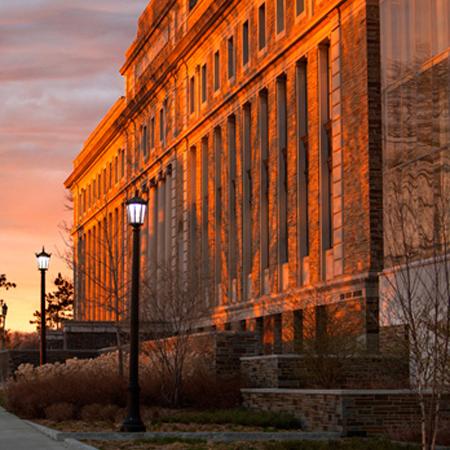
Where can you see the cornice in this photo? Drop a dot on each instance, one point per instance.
(100, 138)
(140, 41)
(202, 27)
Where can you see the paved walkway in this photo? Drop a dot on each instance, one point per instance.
(15, 434)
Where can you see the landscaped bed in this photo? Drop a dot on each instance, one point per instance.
(177, 444)
(159, 419)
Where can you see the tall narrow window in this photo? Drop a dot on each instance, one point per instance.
(162, 126)
(161, 215)
(168, 217)
(192, 198)
(247, 197)
(122, 163)
(262, 26)
(282, 170)
(110, 176)
(80, 204)
(245, 43)
(264, 161)
(326, 153)
(192, 95)
(299, 6)
(144, 144)
(153, 223)
(152, 133)
(205, 199)
(232, 198)
(216, 70)
(231, 68)
(116, 169)
(88, 294)
(302, 159)
(140, 145)
(218, 202)
(280, 16)
(204, 83)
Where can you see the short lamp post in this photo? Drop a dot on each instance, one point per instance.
(3, 313)
(43, 260)
(136, 209)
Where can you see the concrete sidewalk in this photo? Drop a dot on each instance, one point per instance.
(15, 434)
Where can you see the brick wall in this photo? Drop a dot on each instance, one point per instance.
(371, 412)
(295, 371)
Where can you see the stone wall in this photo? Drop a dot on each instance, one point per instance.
(352, 412)
(208, 230)
(221, 351)
(299, 372)
(230, 347)
(89, 335)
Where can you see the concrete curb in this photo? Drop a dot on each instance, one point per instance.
(73, 444)
(71, 439)
(49, 432)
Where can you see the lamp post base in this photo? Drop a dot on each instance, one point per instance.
(132, 425)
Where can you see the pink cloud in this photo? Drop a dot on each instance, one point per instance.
(59, 64)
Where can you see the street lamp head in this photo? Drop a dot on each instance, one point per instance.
(4, 309)
(43, 259)
(136, 208)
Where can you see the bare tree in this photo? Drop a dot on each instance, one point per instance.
(333, 332)
(98, 266)
(174, 306)
(416, 289)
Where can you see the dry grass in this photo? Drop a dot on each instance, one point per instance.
(53, 390)
(171, 444)
(157, 419)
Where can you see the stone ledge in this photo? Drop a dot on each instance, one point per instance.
(329, 391)
(299, 356)
(362, 412)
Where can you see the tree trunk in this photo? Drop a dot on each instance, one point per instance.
(119, 353)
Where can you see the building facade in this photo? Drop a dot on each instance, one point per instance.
(255, 130)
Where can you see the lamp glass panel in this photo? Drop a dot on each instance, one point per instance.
(43, 262)
(136, 213)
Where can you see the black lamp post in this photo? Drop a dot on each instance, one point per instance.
(43, 260)
(136, 209)
(4, 311)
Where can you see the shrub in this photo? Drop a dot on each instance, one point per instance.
(243, 417)
(60, 412)
(203, 390)
(79, 382)
(76, 382)
(97, 411)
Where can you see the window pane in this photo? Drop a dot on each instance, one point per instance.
(245, 46)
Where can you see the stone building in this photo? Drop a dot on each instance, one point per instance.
(255, 129)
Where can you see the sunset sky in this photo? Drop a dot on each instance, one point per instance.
(59, 62)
